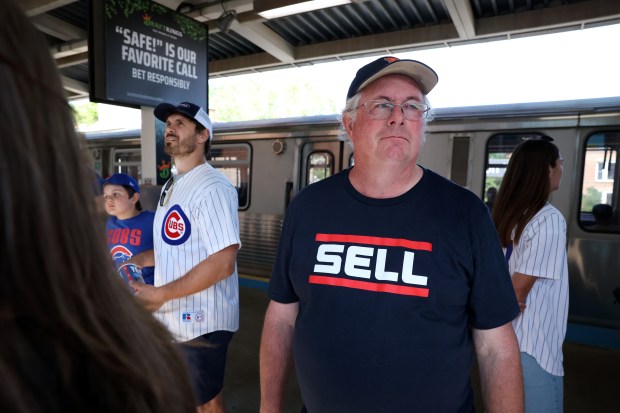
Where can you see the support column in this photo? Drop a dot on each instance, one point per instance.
(148, 146)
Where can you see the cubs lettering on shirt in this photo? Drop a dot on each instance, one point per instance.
(125, 236)
(334, 256)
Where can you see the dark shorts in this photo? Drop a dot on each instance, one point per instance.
(206, 360)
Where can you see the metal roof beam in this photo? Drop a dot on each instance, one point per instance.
(211, 13)
(463, 18)
(72, 60)
(551, 17)
(68, 49)
(266, 39)
(74, 86)
(422, 37)
(58, 28)
(36, 7)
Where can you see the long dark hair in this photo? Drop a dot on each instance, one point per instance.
(73, 337)
(525, 187)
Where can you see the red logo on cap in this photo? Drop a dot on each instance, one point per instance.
(392, 59)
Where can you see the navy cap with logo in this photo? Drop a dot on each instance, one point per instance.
(123, 180)
(423, 75)
(192, 111)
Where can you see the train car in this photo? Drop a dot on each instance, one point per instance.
(270, 161)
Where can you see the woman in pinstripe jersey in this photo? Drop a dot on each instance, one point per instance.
(533, 233)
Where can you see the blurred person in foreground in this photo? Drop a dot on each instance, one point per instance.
(388, 276)
(73, 340)
(196, 238)
(129, 229)
(534, 234)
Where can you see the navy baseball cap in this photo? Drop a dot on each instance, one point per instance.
(418, 71)
(124, 180)
(192, 111)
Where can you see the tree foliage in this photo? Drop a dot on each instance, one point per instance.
(248, 98)
(85, 113)
(591, 197)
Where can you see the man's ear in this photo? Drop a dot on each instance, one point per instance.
(203, 136)
(347, 123)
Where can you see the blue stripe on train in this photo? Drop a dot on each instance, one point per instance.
(253, 283)
(593, 336)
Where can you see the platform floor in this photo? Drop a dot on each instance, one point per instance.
(591, 384)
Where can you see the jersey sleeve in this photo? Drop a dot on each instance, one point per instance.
(541, 250)
(217, 218)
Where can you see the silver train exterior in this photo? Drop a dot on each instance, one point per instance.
(270, 161)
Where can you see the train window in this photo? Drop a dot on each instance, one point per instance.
(320, 165)
(499, 149)
(127, 161)
(601, 184)
(234, 160)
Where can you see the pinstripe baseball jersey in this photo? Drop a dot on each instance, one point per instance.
(199, 218)
(541, 252)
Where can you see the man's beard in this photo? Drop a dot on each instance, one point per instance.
(181, 148)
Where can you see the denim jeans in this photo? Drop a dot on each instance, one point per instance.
(544, 392)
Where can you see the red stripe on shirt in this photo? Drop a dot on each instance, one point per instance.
(368, 286)
(367, 240)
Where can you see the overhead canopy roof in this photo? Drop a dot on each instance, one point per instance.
(252, 43)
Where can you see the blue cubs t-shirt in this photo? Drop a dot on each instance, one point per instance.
(128, 237)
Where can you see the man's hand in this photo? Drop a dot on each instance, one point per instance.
(151, 298)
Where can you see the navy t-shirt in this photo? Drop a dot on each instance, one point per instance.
(388, 290)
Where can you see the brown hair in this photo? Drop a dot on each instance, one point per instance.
(131, 192)
(73, 338)
(525, 187)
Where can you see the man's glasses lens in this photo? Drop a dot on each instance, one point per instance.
(382, 109)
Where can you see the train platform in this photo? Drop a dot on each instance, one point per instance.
(591, 382)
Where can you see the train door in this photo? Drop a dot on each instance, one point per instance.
(321, 159)
(594, 262)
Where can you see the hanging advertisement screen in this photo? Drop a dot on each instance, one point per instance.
(142, 54)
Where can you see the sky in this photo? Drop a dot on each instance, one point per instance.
(576, 64)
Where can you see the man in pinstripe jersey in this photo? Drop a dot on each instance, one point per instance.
(196, 237)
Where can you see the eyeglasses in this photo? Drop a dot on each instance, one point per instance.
(168, 186)
(382, 109)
